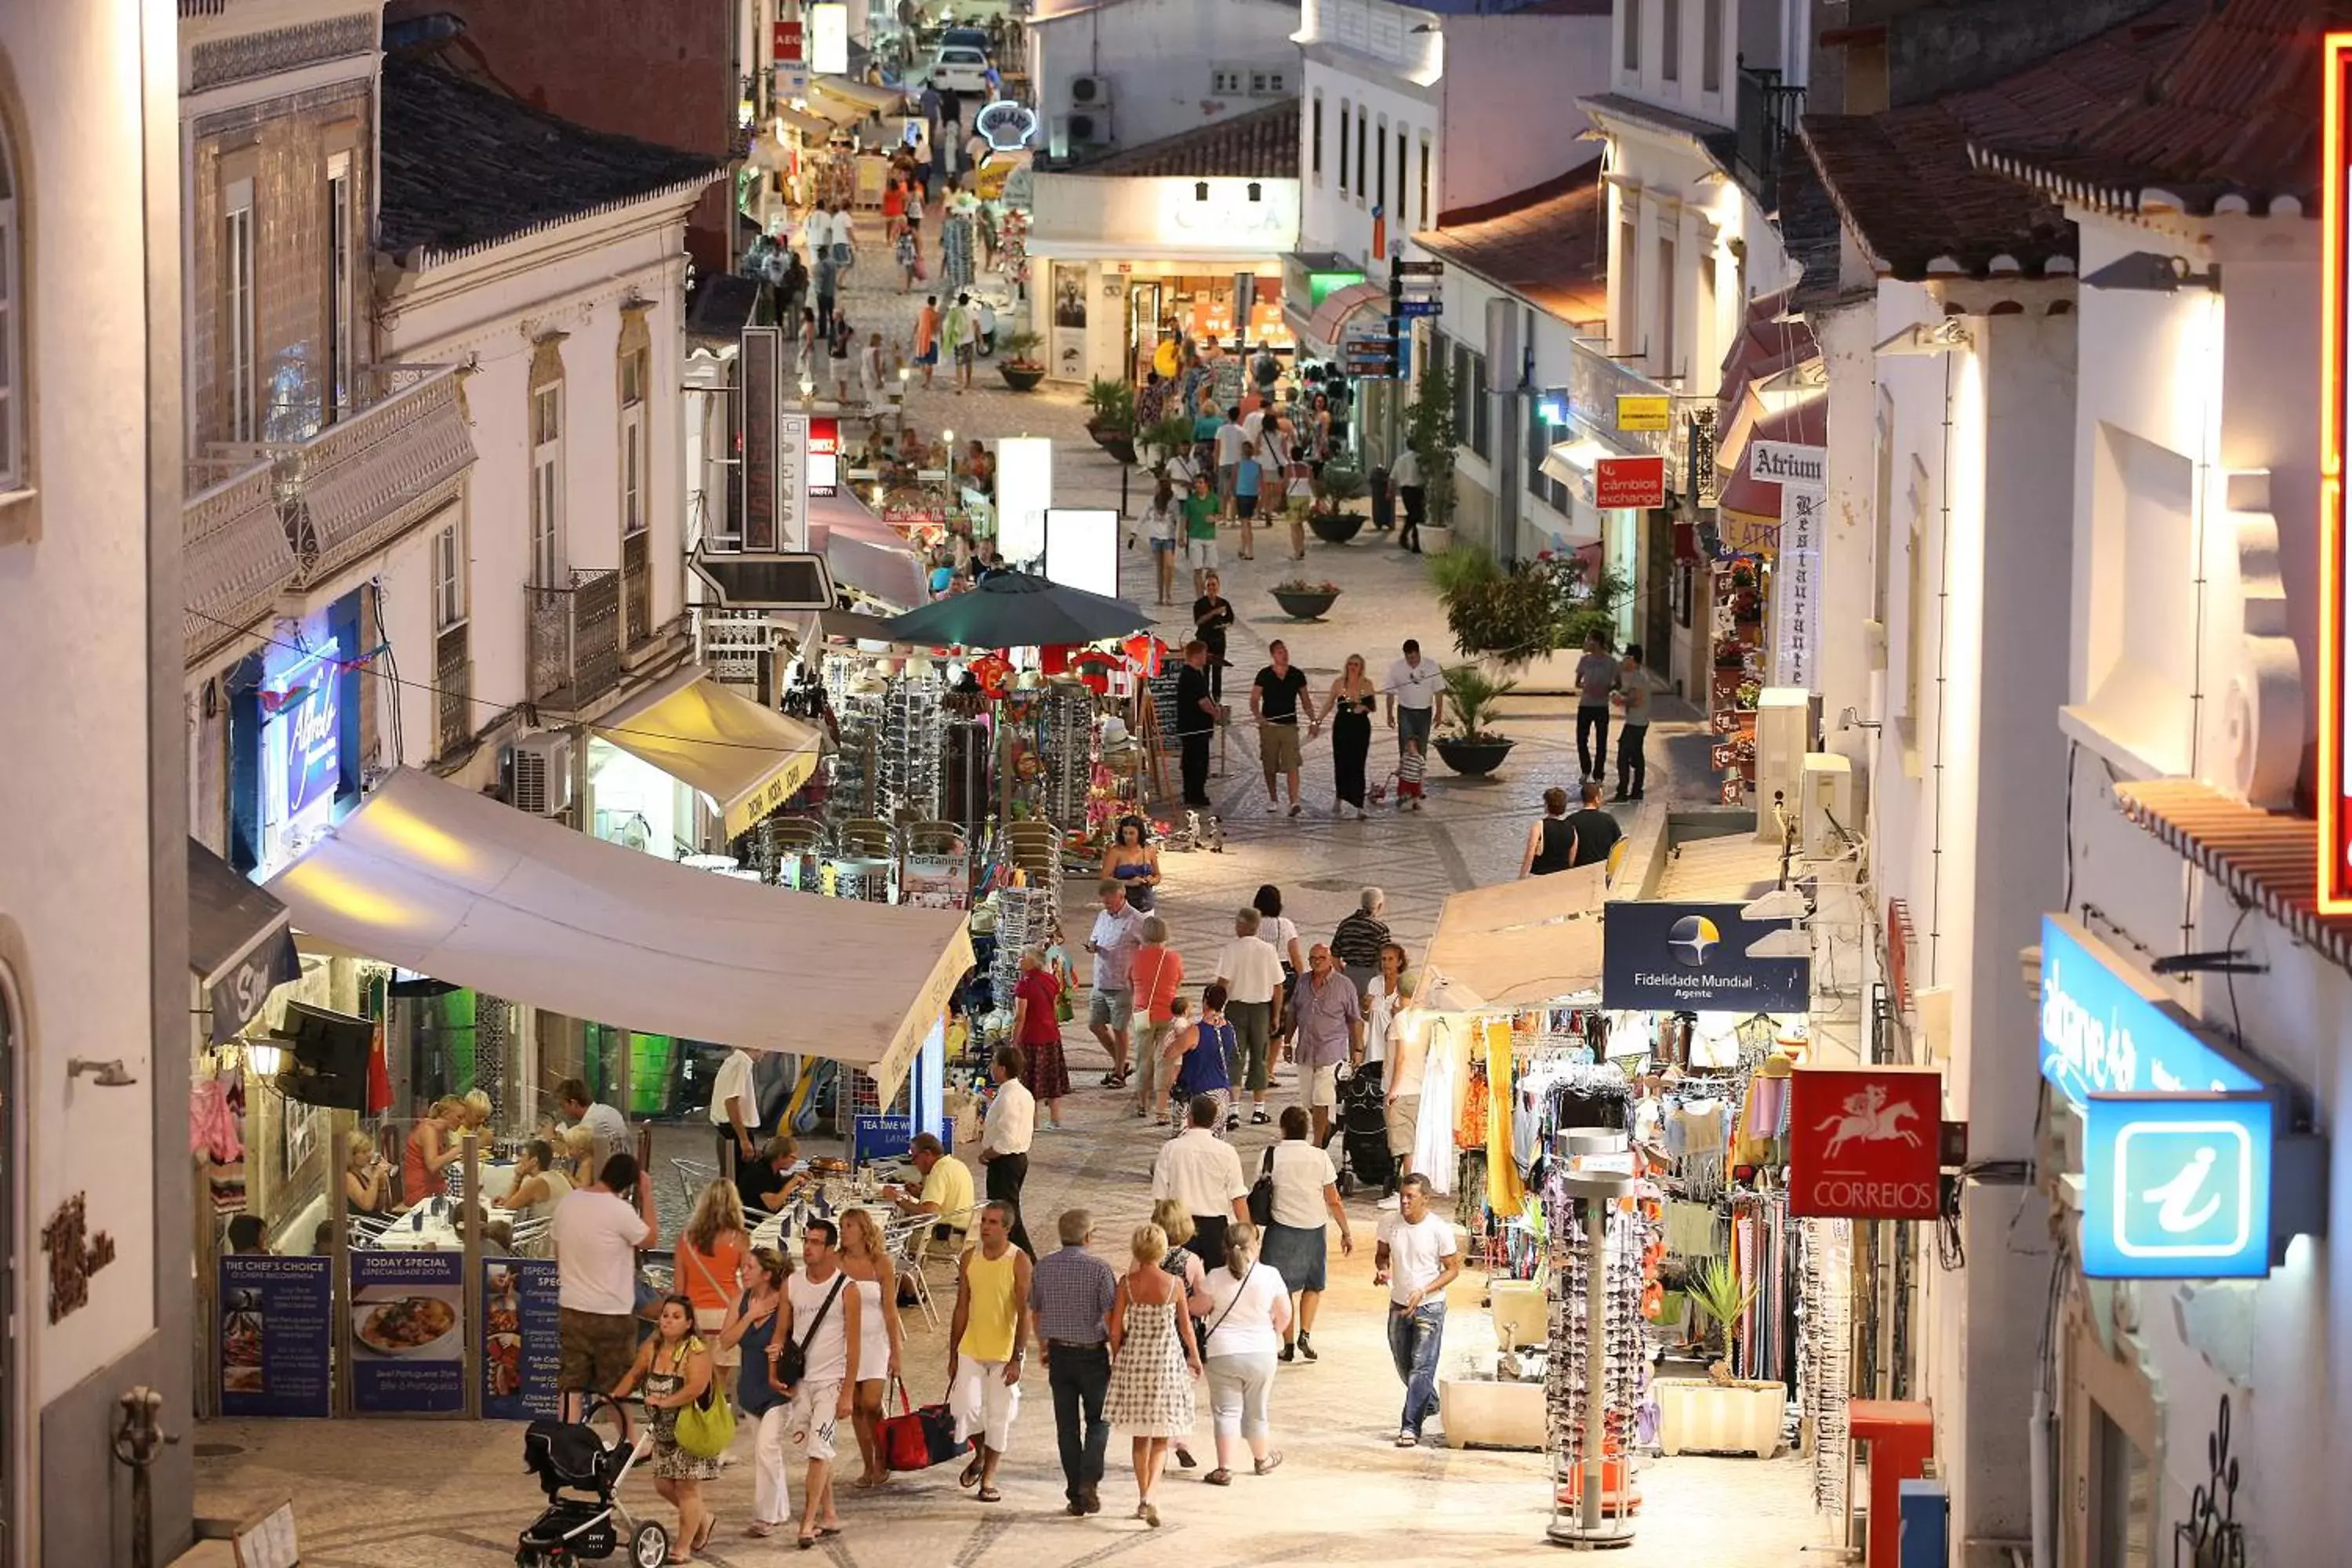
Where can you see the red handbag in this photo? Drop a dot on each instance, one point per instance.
(917, 1439)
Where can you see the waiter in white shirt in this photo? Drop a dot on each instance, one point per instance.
(1416, 695)
(1005, 1138)
(735, 1109)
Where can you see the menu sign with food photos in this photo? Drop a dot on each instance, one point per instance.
(276, 1317)
(521, 1356)
(408, 1333)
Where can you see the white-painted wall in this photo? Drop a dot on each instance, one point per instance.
(1131, 217)
(487, 311)
(1761, 34)
(74, 614)
(1674, 193)
(1510, 90)
(1161, 57)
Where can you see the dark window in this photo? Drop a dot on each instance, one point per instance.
(1343, 146)
(1315, 142)
(1363, 120)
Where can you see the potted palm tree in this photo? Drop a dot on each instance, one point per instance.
(1470, 748)
(1111, 407)
(1335, 486)
(1719, 1413)
(1017, 360)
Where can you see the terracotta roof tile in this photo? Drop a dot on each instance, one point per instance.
(2266, 858)
(464, 165)
(1260, 145)
(1904, 180)
(1547, 244)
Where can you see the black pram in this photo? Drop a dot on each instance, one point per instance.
(1363, 1126)
(580, 1472)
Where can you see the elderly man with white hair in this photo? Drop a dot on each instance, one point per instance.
(1358, 941)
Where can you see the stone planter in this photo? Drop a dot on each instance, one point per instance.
(1483, 1413)
(1119, 444)
(1305, 606)
(1473, 759)
(1022, 377)
(1336, 527)
(1705, 1416)
(1435, 541)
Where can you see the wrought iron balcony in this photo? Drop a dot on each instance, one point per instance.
(331, 496)
(575, 640)
(1765, 118)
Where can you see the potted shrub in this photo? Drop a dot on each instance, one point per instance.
(1111, 417)
(1304, 601)
(1329, 516)
(1719, 1412)
(1163, 441)
(1430, 432)
(1017, 360)
(1469, 747)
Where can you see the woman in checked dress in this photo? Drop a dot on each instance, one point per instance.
(1154, 1362)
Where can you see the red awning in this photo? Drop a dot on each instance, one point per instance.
(1803, 422)
(1328, 325)
(1766, 346)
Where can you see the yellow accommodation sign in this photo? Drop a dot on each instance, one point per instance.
(1644, 412)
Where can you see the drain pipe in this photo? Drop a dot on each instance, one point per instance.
(1943, 676)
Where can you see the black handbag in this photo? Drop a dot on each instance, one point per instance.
(791, 1361)
(1261, 1193)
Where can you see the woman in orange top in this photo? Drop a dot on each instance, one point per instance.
(710, 1254)
(1155, 974)
(894, 208)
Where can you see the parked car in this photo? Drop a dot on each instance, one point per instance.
(965, 39)
(960, 68)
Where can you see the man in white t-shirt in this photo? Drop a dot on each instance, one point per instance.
(1201, 1171)
(606, 1126)
(597, 1232)
(1416, 695)
(1401, 1089)
(820, 1316)
(1418, 1256)
(1231, 439)
(735, 1107)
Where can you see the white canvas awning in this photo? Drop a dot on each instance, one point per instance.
(433, 877)
(745, 759)
(1518, 944)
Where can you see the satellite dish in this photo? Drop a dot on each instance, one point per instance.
(1006, 124)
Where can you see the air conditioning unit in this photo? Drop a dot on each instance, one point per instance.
(1829, 806)
(538, 774)
(1090, 92)
(1090, 127)
(1787, 719)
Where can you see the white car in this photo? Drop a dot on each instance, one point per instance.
(958, 70)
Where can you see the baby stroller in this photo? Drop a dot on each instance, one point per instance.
(1362, 1123)
(579, 1471)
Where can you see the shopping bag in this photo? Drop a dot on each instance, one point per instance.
(917, 1439)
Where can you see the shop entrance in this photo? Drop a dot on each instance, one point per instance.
(1144, 308)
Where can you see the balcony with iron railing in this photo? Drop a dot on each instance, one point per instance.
(268, 516)
(574, 640)
(1765, 117)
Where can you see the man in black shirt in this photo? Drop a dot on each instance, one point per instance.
(1211, 615)
(1196, 721)
(1593, 832)
(1279, 702)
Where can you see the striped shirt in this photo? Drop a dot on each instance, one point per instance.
(1071, 1293)
(1411, 766)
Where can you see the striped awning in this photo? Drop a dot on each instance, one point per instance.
(2269, 858)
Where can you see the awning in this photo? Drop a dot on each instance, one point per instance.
(807, 124)
(833, 96)
(238, 945)
(1570, 462)
(1800, 416)
(746, 760)
(896, 577)
(1518, 944)
(1328, 325)
(435, 877)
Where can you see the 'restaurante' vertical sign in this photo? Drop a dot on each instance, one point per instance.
(2335, 770)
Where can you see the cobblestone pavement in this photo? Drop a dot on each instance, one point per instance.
(386, 1492)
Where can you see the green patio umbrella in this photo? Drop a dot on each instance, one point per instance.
(1013, 609)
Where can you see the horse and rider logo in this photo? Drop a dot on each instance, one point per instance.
(1868, 1118)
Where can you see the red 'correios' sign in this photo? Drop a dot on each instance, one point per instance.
(1865, 1143)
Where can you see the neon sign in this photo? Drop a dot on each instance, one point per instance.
(2177, 1186)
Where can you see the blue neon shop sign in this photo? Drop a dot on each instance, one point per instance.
(2103, 1033)
(2178, 1186)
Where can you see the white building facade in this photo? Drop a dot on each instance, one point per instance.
(1121, 73)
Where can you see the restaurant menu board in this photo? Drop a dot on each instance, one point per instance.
(520, 1354)
(276, 1316)
(408, 1333)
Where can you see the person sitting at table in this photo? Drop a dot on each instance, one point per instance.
(246, 1237)
(769, 1184)
(431, 1150)
(498, 1235)
(367, 1175)
(540, 1182)
(947, 1189)
(579, 1155)
(477, 1117)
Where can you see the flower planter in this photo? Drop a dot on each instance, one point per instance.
(1119, 444)
(1336, 527)
(1022, 377)
(1434, 540)
(1305, 606)
(1473, 759)
(1705, 1416)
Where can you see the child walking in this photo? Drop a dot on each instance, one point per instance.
(1412, 764)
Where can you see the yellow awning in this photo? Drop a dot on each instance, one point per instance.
(746, 760)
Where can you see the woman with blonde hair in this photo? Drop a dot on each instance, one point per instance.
(750, 1325)
(1154, 1359)
(477, 1113)
(430, 1151)
(1252, 1314)
(1185, 1266)
(367, 1179)
(879, 1336)
(711, 1253)
(579, 1155)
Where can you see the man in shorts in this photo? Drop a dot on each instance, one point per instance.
(1400, 1083)
(962, 335)
(820, 1315)
(927, 338)
(596, 1231)
(1200, 533)
(1118, 932)
(1280, 704)
(1330, 1031)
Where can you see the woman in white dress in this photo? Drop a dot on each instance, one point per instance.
(1153, 1362)
(880, 1336)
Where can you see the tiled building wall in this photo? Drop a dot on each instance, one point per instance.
(289, 141)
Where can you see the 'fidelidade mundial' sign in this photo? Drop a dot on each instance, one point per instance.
(1693, 958)
(2106, 1031)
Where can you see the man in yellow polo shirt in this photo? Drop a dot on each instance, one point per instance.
(947, 1189)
